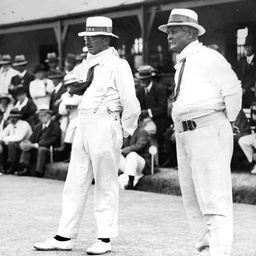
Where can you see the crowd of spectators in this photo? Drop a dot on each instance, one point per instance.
(38, 116)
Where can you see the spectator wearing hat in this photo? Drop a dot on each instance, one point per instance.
(69, 63)
(26, 106)
(6, 73)
(41, 88)
(207, 99)
(52, 61)
(6, 104)
(69, 116)
(24, 77)
(15, 132)
(3, 124)
(245, 69)
(109, 111)
(153, 102)
(79, 70)
(59, 89)
(47, 133)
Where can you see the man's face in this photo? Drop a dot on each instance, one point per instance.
(13, 120)
(177, 38)
(145, 82)
(20, 68)
(44, 117)
(69, 66)
(21, 97)
(95, 44)
(249, 50)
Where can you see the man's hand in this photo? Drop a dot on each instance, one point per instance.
(144, 114)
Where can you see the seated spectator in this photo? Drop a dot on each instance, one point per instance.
(6, 73)
(6, 104)
(15, 132)
(68, 111)
(26, 106)
(47, 133)
(23, 78)
(41, 88)
(52, 61)
(59, 89)
(69, 63)
(135, 158)
(3, 124)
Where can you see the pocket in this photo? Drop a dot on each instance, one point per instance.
(117, 134)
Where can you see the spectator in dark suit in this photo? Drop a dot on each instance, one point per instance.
(26, 106)
(59, 89)
(45, 134)
(70, 63)
(153, 101)
(22, 79)
(245, 69)
(52, 62)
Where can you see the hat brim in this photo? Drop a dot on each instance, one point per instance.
(15, 115)
(137, 75)
(200, 29)
(5, 62)
(20, 63)
(86, 33)
(44, 111)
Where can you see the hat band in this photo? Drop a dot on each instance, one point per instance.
(181, 18)
(99, 29)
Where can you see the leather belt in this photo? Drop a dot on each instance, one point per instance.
(195, 123)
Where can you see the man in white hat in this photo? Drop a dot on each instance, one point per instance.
(6, 73)
(207, 99)
(109, 111)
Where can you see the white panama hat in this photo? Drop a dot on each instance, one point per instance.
(183, 17)
(98, 25)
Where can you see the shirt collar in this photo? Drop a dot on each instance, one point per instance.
(20, 106)
(47, 124)
(149, 86)
(189, 50)
(250, 58)
(22, 74)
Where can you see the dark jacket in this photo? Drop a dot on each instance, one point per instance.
(55, 97)
(29, 113)
(139, 142)
(25, 81)
(156, 100)
(51, 136)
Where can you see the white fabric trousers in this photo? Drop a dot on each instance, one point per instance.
(204, 157)
(95, 154)
(248, 144)
(133, 165)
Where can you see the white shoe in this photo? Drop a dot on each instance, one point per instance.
(98, 248)
(51, 244)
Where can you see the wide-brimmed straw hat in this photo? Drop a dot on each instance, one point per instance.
(51, 57)
(183, 17)
(98, 25)
(44, 108)
(5, 59)
(145, 71)
(15, 113)
(19, 60)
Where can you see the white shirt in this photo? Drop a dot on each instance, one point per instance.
(16, 133)
(208, 84)
(6, 76)
(112, 76)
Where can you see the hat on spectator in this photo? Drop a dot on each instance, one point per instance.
(183, 17)
(98, 25)
(145, 71)
(44, 108)
(19, 60)
(71, 58)
(51, 57)
(40, 67)
(57, 74)
(5, 59)
(15, 113)
(6, 96)
(70, 79)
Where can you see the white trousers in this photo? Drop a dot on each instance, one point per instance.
(95, 154)
(133, 165)
(204, 157)
(248, 144)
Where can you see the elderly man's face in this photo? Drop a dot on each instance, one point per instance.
(96, 44)
(44, 117)
(177, 38)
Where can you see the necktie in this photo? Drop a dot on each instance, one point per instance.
(177, 91)
(80, 88)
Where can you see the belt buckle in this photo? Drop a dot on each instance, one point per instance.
(188, 125)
